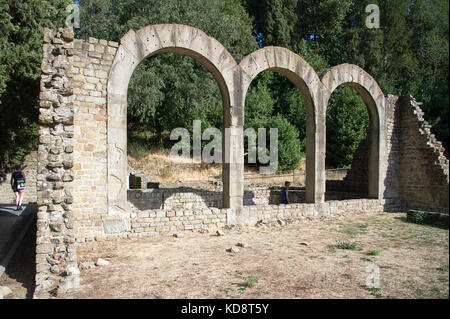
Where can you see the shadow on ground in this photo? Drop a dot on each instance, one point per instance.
(21, 270)
(430, 224)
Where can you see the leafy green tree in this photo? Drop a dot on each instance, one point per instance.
(171, 90)
(21, 37)
(259, 103)
(289, 146)
(429, 21)
(347, 121)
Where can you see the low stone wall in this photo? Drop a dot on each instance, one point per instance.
(158, 221)
(189, 198)
(185, 198)
(271, 213)
(175, 198)
(152, 222)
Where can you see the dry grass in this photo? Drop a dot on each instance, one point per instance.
(163, 168)
(413, 261)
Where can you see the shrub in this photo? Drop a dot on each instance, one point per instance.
(289, 145)
(421, 218)
(346, 245)
(373, 252)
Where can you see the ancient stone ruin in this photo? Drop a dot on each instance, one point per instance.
(82, 157)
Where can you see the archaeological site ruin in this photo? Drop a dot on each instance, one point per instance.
(81, 176)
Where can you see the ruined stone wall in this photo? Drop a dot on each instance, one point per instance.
(55, 251)
(272, 213)
(423, 168)
(416, 167)
(356, 179)
(6, 193)
(72, 170)
(91, 65)
(391, 196)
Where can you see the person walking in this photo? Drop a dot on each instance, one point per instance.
(18, 186)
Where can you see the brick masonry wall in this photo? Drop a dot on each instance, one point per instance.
(92, 62)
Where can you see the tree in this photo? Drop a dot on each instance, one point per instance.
(276, 21)
(429, 21)
(289, 147)
(21, 37)
(171, 90)
(347, 122)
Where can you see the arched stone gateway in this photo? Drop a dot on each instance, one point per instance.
(358, 79)
(82, 160)
(148, 41)
(304, 77)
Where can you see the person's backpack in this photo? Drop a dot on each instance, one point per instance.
(20, 182)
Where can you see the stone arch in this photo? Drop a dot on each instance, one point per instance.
(355, 77)
(305, 78)
(134, 47)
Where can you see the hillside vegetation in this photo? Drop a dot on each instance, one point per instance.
(408, 54)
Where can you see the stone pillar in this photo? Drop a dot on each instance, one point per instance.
(315, 152)
(56, 263)
(233, 158)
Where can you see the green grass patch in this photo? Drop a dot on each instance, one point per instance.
(375, 291)
(373, 252)
(385, 267)
(251, 281)
(443, 268)
(346, 245)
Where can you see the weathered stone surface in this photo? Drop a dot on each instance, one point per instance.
(234, 249)
(115, 226)
(102, 262)
(87, 264)
(4, 291)
(220, 233)
(68, 35)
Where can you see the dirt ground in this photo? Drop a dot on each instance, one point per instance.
(21, 270)
(412, 261)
